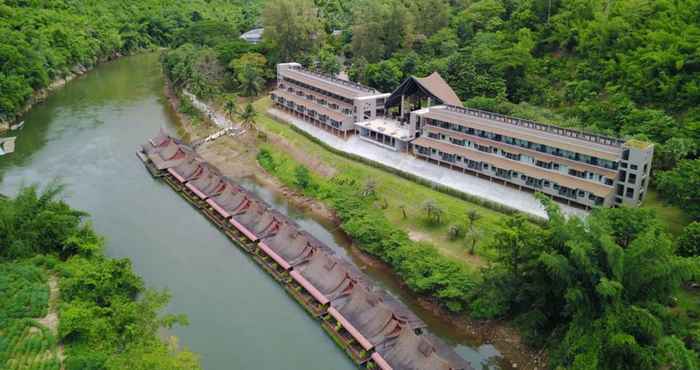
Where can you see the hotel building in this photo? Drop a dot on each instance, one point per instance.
(424, 117)
(573, 167)
(327, 102)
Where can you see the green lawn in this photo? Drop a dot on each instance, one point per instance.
(674, 217)
(398, 191)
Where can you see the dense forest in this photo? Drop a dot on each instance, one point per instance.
(600, 293)
(44, 40)
(108, 318)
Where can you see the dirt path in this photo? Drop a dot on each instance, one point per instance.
(50, 321)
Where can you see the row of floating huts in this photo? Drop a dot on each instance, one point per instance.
(373, 328)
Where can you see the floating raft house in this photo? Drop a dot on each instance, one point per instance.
(374, 329)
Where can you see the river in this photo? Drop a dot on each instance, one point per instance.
(85, 135)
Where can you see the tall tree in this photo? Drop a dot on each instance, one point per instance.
(380, 28)
(292, 27)
(681, 186)
(247, 116)
(250, 81)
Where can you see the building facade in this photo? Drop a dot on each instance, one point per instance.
(425, 118)
(325, 101)
(576, 168)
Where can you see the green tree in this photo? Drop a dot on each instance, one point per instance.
(247, 116)
(231, 106)
(250, 81)
(688, 244)
(302, 177)
(328, 62)
(681, 186)
(433, 211)
(292, 27)
(380, 28)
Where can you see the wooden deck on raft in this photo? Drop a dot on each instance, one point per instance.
(343, 339)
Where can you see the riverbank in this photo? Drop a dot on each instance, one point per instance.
(39, 96)
(236, 157)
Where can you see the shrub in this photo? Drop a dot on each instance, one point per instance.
(302, 177)
(455, 232)
(688, 244)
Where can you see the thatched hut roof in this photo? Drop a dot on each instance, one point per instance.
(368, 314)
(169, 156)
(189, 169)
(410, 351)
(293, 245)
(249, 214)
(208, 183)
(327, 274)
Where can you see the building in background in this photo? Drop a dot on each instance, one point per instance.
(253, 36)
(424, 117)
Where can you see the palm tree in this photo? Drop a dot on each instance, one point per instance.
(250, 81)
(473, 236)
(231, 106)
(247, 117)
(433, 211)
(472, 217)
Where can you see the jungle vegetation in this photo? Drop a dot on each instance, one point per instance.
(601, 293)
(107, 318)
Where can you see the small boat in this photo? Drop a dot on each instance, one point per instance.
(17, 126)
(7, 145)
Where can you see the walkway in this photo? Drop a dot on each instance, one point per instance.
(217, 118)
(405, 162)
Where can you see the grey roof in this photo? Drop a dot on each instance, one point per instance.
(231, 197)
(410, 351)
(293, 245)
(254, 35)
(326, 274)
(367, 312)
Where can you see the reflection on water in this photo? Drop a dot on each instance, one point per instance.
(483, 356)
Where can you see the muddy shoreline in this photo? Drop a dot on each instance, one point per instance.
(236, 157)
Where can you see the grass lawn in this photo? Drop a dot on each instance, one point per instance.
(674, 217)
(399, 192)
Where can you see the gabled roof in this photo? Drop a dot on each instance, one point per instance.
(433, 86)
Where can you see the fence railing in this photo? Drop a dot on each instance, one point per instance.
(521, 122)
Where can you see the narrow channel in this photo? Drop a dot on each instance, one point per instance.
(85, 135)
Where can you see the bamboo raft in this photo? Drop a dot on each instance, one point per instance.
(373, 329)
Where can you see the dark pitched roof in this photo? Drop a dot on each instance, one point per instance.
(433, 86)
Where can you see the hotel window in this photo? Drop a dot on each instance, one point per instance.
(634, 167)
(629, 193)
(632, 178)
(623, 164)
(546, 183)
(620, 189)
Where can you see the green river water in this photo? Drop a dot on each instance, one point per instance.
(85, 135)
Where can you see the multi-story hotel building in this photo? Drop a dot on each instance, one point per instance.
(422, 117)
(327, 102)
(573, 167)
